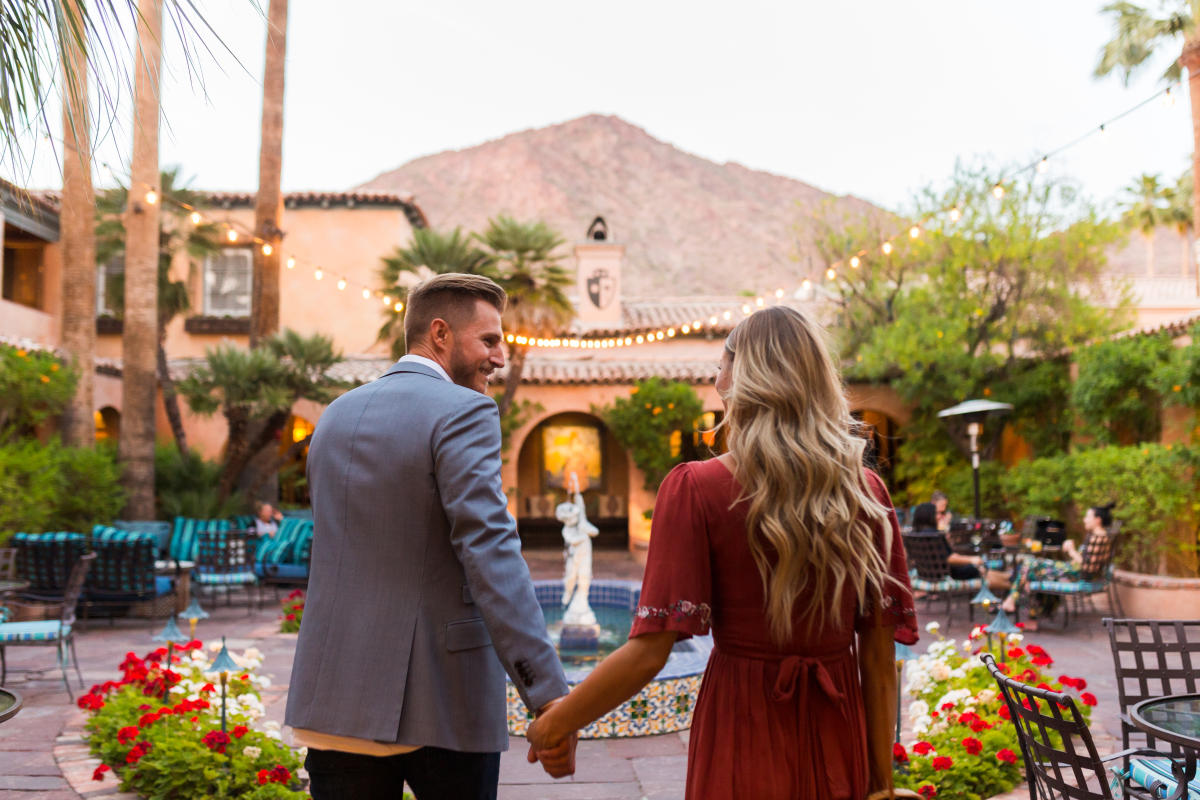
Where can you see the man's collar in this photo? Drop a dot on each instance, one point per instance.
(426, 362)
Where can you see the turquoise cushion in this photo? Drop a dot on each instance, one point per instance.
(291, 544)
(45, 559)
(1147, 772)
(242, 522)
(1068, 587)
(284, 571)
(225, 578)
(42, 631)
(945, 584)
(184, 544)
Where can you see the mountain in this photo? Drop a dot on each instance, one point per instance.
(690, 226)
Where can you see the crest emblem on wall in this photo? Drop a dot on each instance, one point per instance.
(601, 287)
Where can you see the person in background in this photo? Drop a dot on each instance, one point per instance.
(962, 567)
(941, 505)
(266, 521)
(790, 550)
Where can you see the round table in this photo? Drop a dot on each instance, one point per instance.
(1175, 719)
(10, 704)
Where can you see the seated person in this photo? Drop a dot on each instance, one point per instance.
(941, 504)
(1080, 563)
(962, 567)
(266, 522)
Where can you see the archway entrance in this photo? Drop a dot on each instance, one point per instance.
(293, 449)
(108, 424)
(559, 445)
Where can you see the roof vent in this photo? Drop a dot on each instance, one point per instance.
(598, 230)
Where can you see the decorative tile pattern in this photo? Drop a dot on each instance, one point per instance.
(665, 705)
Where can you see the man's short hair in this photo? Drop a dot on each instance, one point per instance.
(937, 495)
(450, 296)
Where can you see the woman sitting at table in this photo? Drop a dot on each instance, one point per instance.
(1080, 563)
(962, 567)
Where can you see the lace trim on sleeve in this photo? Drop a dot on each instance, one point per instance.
(679, 611)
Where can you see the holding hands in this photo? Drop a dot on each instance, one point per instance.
(555, 750)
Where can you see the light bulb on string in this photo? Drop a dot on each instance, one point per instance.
(745, 308)
(151, 197)
(886, 248)
(758, 301)
(640, 339)
(1043, 165)
(387, 300)
(998, 191)
(779, 294)
(712, 320)
(685, 330)
(659, 336)
(267, 249)
(318, 273)
(1168, 98)
(195, 217)
(670, 332)
(914, 232)
(398, 307)
(806, 285)
(955, 214)
(341, 284)
(366, 293)
(291, 263)
(231, 235)
(1103, 131)
(854, 262)
(831, 273)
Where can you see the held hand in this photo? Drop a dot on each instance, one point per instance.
(555, 751)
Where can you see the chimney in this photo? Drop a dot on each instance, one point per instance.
(598, 277)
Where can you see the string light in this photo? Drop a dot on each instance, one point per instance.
(398, 307)
(387, 301)
(291, 263)
(779, 294)
(151, 197)
(318, 273)
(1043, 165)
(196, 218)
(831, 273)
(267, 249)
(914, 231)
(341, 284)
(886, 248)
(998, 191)
(955, 214)
(854, 262)
(231, 235)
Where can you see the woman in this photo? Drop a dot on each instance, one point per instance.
(790, 549)
(925, 521)
(1080, 563)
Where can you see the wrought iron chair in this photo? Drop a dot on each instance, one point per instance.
(1096, 578)
(8, 563)
(1152, 658)
(46, 561)
(1060, 757)
(58, 633)
(225, 561)
(124, 572)
(929, 570)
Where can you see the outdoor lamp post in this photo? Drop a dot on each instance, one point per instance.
(1004, 627)
(985, 598)
(170, 634)
(193, 613)
(903, 653)
(973, 413)
(223, 664)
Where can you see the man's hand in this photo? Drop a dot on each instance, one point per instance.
(554, 750)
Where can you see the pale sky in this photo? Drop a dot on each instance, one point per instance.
(872, 98)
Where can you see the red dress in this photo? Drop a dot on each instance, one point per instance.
(770, 722)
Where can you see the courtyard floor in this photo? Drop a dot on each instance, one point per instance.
(42, 756)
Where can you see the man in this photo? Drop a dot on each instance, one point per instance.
(266, 522)
(419, 599)
(941, 505)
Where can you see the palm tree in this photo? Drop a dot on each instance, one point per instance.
(1145, 211)
(139, 356)
(429, 253)
(177, 233)
(526, 265)
(1139, 34)
(268, 204)
(1180, 214)
(77, 217)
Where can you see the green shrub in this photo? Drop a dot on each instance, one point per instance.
(1116, 393)
(189, 486)
(51, 487)
(35, 385)
(644, 422)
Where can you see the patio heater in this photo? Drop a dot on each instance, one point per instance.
(973, 413)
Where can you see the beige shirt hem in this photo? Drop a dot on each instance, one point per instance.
(348, 744)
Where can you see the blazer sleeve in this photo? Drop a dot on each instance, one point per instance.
(466, 451)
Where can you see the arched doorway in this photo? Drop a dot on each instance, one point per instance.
(884, 436)
(293, 448)
(108, 425)
(556, 447)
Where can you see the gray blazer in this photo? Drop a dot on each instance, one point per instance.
(419, 599)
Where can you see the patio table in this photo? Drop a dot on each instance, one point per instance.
(183, 588)
(10, 704)
(1175, 719)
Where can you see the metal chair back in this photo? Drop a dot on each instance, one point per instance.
(8, 563)
(1061, 760)
(1152, 658)
(224, 552)
(928, 554)
(74, 589)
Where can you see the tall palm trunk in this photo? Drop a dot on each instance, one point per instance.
(170, 398)
(512, 378)
(1190, 59)
(78, 216)
(268, 206)
(140, 342)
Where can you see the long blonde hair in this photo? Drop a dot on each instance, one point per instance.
(811, 518)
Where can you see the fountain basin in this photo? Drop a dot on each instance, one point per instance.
(664, 706)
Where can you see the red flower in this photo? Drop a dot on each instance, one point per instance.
(207, 688)
(146, 720)
(140, 749)
(216, 741)
(264, 777)
(90, 702)
(1004, 712)
(980, 725)
(972, 745)
(934, 714)
(1088, 699)
(1007, 756)
(239, 731)
(899, 754)
(98, 775)
(128, 734)
(1028, 676)
(1080, 684)
(1042, 661)
(1015, 652)
(1046, 686)
(941, 762)
(145, 707)
(947, 706)
(1035, 649)
(922, 748)
(290, 618)
(280, 774)
(927, 790)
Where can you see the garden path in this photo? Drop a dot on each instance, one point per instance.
(42, 758)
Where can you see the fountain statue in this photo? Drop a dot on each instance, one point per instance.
(580, 630)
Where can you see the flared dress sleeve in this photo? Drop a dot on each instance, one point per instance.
(677, 586)
(897, 603)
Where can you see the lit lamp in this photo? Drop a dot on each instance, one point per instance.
(223, 664)
(170, 634)
(903, 653)
(1003, 627)
(985, 598)
(973, 413)
(193, 614)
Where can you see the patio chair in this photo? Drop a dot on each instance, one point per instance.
(224, 561)
(929, 571)
(185, 532)
(283, 559)
(160, 529)
(1152, 658)
(8, 563)
(46, 561)
(1056, 745)
(58, 633)
(1096, 578)
(124, 572)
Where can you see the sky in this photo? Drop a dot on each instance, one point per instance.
(875, 99)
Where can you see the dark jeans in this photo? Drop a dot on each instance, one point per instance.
(431, 772)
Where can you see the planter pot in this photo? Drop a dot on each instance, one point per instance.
(1011, 539)
(1157, 597)
(217, 325)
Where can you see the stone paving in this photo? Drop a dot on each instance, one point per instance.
(43, 757)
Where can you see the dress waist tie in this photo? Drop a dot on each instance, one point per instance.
(801, 670)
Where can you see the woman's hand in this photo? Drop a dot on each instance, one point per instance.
(541, 734)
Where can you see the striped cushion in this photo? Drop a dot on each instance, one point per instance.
(1068, 587)
(183, 538)
(160, 529)
(225, 578)
(45, 559)
(242, 522)
(946, 585)
(291, 544)
(124, 562)
(42, 631)
(1149, 772)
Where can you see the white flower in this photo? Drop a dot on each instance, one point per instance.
(918, 708)
(940, 671)
(987, 695)
(1015, 638)
(302, 752)
(271, 725)
(921, 724)
(251, 752)
(933, 627)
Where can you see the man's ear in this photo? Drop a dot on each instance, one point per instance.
(439, 332)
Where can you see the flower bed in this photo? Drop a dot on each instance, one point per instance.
(159, 729)
(293, 612)
(967, 746)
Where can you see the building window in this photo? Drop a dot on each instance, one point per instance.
(110, 287)
(227, 277)
(23, 274)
